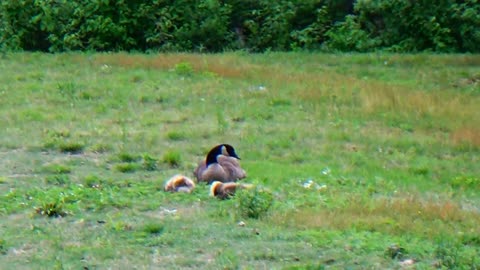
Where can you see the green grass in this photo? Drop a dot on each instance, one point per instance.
(362, 161)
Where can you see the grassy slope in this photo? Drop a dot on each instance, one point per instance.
(394, 138)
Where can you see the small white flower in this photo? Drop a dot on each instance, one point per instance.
(407, 262)
(321, 187)
(308, 183)
(172, 211)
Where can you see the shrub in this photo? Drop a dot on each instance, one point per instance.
(149, 163)
(173, 158)
(466, 182)
(153, 228)
(421, 25)
(58, 179)
(254, 25)
(126, 167)
(3, 247)
(253, 203)
(127, 157)
(71, 147)
(57, 168)
(349, 36)
(193, 26)
(93, 181)
(52, 209)
(448, 254)
(184, 69)
(395, 252)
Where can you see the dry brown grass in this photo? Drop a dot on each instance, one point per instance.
(397, 215)
(365, 97)
(161, 61)
(373, 97)
(439, 60)
(466, 135)
(377, 97)
(224, 66)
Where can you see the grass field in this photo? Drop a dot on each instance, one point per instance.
(372, 161)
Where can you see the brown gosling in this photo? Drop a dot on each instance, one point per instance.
(226, 190)
(179, 183)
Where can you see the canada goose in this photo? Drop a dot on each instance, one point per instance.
(221, 164)
(179, 183)
(226, 190)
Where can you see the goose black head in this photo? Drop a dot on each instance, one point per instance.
(221, 149)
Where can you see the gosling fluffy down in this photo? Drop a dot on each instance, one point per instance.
(221, 164)
(226, 190)
(179, 183)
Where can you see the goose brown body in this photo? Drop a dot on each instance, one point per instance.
(221, 164)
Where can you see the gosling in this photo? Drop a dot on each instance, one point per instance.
(224, 191)
(179, 183)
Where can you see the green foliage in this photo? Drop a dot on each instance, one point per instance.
(58, 179)
(451, 254)
(133, 162)
(153, 228)
(184, 69)
(284, 25)
(466, 182)
(310, 24)
(448, 254)
(466, 25)
(127, 167)
(307, 267)
(173, 158)
(52, 204)
(61, 141)
(67, 90)
(56, 168)
(228, 259)
(176, 135)
(149, 163)
(3, 247)
(222, 122)
(349, 36)
(71, 147)
(127, 157)
(253, 203)
(93, 181)
(213, 25)
(396, 252)
(108, 25)
(408, 26)
(193, 26)
(19, 28)
(52, 209)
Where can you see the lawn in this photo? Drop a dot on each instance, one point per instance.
(361, 161)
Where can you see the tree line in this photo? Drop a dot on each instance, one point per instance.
(251, 25)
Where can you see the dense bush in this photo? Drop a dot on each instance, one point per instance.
(410, 26)
(253, 25)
